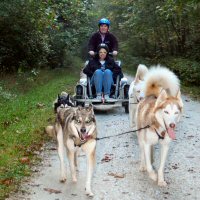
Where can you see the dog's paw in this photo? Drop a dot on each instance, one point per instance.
(63, 179)
(142, 168)
(153, 176)
(162, 183)
(88, 192)
(74, 180)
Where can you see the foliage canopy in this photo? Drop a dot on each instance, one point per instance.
(40, 33)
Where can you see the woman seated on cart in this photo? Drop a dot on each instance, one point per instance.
(103, 71)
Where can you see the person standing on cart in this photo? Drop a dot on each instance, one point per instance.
(103, 35)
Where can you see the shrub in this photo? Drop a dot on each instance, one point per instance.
(187, 70)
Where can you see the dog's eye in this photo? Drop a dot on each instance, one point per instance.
(88, 121)
(138, 91)
(166, 112)
(176, 113)
(78, 121)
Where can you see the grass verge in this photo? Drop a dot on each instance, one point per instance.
(192, 91)
(26, 107)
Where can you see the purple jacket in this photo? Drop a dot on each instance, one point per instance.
(110, 40)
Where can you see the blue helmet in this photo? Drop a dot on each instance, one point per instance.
(104, 21)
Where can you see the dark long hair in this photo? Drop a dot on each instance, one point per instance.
(97, 55)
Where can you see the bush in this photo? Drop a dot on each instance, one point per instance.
(24, 43)
(187, 70)
(36, 34)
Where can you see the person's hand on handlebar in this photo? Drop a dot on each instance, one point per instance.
(91, 53)
(114, 53)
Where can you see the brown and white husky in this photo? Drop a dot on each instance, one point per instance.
(160, 111)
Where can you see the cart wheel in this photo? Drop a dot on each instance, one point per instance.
(126, 107)
(80, 104)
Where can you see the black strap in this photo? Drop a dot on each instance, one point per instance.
(159, 136)
(148, 126)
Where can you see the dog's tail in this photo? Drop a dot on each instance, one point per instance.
(141, 72)
(159, 78)
(50, 130)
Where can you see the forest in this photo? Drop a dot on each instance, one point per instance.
(43, 46)
(49, 33)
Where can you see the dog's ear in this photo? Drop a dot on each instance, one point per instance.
(73, 117)
(80, 107)
(136, 80)
(161, 97)
(178, 96)
(90, 107)
(58, 96)
(68, 97)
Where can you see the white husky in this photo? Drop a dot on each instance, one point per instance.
(134, 92)
(159, 111)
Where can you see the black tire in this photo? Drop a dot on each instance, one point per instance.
(79, 92)
(126, 107)
(80, 104)
(126, 89)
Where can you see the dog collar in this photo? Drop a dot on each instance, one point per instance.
(78, 142)
(160, 137)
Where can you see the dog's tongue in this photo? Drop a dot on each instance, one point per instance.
(171, 133)
(85, 136)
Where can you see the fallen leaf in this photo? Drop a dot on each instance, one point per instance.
(52, 191)
(107, 158)
(34, 185)
(116, 175)
(40, 105)
(6, 124)
(189, 156)
(106, 180)
(16, 119)
(53, 148)
(166, 192)
(190, 170)
(24, 160)
(7, 181)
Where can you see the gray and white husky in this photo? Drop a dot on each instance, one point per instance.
(75, 128)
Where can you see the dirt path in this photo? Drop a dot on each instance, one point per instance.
(120, 177)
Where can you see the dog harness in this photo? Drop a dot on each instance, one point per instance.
(160, 137)
(78, 142)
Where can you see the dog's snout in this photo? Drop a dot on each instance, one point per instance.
(83, 130)
(172, 125)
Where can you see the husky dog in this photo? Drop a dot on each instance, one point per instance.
(134, 92)
(159, 111)
(63, 100)
(74, 128)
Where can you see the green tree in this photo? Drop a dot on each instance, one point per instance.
(41, 33)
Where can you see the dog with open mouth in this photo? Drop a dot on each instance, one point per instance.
(75, 128)
(159, 112)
